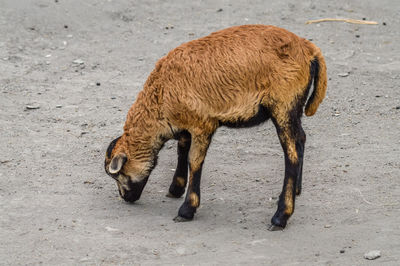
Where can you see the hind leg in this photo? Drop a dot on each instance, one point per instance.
(178, 185)
(289, 132)
(300, 144)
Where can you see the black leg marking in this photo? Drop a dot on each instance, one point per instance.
(192, 199)
(300, 147)
(178, 185)
(197, 153)
(292, 141)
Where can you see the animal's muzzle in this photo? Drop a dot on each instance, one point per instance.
(135, 191)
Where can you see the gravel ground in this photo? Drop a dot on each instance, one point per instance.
(70, 71)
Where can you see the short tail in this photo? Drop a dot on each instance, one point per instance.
(318, 70)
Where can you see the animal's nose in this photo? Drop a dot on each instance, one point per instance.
(131, 196)
(134, 192)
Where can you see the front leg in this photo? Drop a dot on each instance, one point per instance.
(197, 154)
(178, 185)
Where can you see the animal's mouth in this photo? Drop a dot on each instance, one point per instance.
(134, 192)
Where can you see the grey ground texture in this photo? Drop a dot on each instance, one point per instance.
(70, 70)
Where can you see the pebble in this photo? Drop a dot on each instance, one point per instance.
(342, 251)
(110, 229)
(343, 74)
(78, 61)
(32, 107)
(220, 10)
(373, 254)
(328, 226)
(98, 83)
(58, 106)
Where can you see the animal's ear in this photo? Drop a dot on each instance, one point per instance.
(117, 163)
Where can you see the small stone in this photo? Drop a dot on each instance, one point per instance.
(110, 229)
(98, 83)
(343, 74)
(32, 107)
(65, 26)
(342, 251)
(328, 226)
(58, 106)
(357, 36)
(384, 23)
(372, 255)
(78, 61)
(220, 10)
(398, 107)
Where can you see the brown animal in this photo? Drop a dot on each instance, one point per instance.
(239, 76)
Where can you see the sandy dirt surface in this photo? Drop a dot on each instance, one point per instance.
(70, 70)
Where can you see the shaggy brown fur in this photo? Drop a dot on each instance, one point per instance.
(233, 76)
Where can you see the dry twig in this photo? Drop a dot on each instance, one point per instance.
(348, 20)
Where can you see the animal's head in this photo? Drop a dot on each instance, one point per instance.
(131, 175)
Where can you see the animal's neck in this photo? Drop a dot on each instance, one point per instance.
(145, 129)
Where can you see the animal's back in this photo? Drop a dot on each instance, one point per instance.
(229, 73)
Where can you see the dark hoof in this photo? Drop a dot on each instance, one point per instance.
(279, 220)
(179, 219)
(273, 227)
(298, 191)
